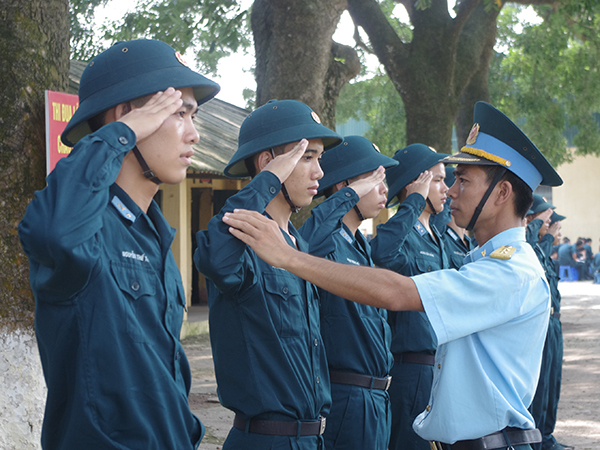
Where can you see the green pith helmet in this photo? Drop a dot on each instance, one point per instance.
(129, 70)
(413, 160)
(277, 122)
(353, 157)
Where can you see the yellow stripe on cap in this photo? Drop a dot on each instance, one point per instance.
(486, 155)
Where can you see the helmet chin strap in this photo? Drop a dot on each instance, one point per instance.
(284, 190)
(148, 172)
(358, 213)
(433, 211)
(484, 199)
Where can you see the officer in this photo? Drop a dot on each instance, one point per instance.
(489, 317)
(407, 244)
(267, 348)
(359, 363)
(109, 297)
(541, 234)
(457, 243)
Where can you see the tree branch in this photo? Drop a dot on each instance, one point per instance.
(386, 43)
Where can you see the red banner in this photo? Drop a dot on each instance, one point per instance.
(60, 107)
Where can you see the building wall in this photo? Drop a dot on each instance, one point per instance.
(579, 199)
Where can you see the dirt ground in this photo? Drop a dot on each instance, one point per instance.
(579, 408)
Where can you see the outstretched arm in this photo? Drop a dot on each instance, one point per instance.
(376, 287)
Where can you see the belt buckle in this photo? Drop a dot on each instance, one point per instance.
(388, 383)
(322, 423)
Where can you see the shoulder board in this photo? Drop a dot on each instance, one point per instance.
(504, 252)
(420, 228)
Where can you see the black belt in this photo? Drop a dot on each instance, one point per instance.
(415, 358)
(364, 381)
(281, 427)
(516, 436)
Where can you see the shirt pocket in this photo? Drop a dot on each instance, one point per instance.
(285, 300)
(140, 305)
(425, 265)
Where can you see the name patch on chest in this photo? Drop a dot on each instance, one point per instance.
(132, 255)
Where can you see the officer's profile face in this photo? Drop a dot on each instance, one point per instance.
(466, 192)
(303, 183)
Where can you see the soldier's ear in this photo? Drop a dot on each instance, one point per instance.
(262, 159)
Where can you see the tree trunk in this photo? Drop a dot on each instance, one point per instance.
(34, 56)
(296, 57)
(432, 71)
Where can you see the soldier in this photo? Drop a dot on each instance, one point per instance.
(356, 337)
(267, 348)
(407, 244)
(109, 298)
(457, 243)
(490, 317)
(541, 234)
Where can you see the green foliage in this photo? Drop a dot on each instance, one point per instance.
(214, 28)
(549, 78)
(377, 102)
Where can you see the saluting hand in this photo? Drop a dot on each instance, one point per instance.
(362, 186)
(421, 184)
(283, 165)
(145, 120)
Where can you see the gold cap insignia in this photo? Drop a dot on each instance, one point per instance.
(180, 59)
(473, 134)
(432, 149)
(376, 148)
(504, 252)
(315, 117)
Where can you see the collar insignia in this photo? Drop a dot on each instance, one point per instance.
(504, 252)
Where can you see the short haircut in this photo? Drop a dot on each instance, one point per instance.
(99, 120)
(250, 162)
(523, 198)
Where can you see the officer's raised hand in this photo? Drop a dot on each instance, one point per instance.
(421, 184)
(364, 184)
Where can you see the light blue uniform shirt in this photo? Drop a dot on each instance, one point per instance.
(490, 319)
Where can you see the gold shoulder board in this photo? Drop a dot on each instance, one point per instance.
(504, 252)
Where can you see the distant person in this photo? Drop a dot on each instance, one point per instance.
(356, 337)
(542, 233)
(109, 297)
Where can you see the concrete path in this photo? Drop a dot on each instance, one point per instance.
(579, 408)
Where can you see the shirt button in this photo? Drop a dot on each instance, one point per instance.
(429, 269)
(285, 290)
(135, 286)
(272, 190)
(428, 408)
(123, 140)
(348, 194)
(439, 366)
(316, 342)
(177, 356)
(318, 380)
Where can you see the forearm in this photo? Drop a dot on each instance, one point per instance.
(375, 287)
